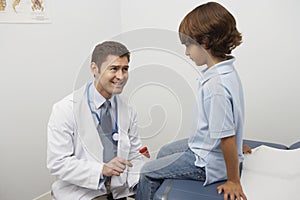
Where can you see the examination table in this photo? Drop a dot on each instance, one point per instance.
(174, 189)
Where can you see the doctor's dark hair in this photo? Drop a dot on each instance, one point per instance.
(213, 26)
(101, 51)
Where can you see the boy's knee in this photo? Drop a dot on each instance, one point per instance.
(163, 151)
(145, 169)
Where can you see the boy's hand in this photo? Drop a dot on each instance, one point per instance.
(232, 191)
(246, 149)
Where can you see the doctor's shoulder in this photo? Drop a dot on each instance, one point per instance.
(64, 103)
(62, 110)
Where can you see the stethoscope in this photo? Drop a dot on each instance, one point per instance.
(115, 133)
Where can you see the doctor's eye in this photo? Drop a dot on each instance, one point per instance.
(114, 68)
(125, 69)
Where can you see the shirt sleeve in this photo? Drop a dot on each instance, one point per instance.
(101, 181)
(220, 116)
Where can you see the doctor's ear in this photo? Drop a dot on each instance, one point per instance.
(94, 68)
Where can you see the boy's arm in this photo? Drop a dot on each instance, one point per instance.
(232, 188)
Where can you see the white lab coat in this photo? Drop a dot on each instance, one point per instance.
(74, 153)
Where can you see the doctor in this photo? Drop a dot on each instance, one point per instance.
(92, 134)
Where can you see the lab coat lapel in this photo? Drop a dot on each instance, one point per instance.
(123, 122)
(85, 125)
(123, 144)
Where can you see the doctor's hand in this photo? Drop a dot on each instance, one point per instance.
(115, 167)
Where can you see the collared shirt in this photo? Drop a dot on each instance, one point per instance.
(220, 115)
(97, 100)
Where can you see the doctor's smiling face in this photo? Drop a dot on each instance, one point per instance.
(111, 76)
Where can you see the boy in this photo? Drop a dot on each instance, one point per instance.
(214, 151)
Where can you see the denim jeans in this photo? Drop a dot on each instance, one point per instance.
(174, 161)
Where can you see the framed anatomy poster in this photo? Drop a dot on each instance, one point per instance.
(24, 11)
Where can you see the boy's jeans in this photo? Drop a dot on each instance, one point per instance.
(174, 161)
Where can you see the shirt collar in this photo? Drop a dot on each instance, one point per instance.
(220, 68)
(98, 99)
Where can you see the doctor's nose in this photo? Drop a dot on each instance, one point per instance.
(119, 75)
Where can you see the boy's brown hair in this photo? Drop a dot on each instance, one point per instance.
(213, 26)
